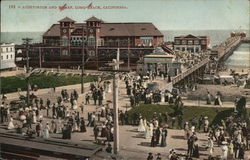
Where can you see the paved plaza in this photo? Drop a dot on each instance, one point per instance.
(133, 145)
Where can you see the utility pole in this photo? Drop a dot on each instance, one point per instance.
(116, 69)
(83, 59)
(26, 41)
(128, 53)
(40, 58)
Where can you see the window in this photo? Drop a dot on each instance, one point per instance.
(1, 57)
(203, 42)
(190, 42)
(177, 48)
(146, 41)
(7, 56)
(91, 41)
(91, 53)
(65, 52)
(65, 41)
(184, 42)
(177, 41)
(11, 56)
(7, 49)
(196, 42)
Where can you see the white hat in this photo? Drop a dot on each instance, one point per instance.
(224, 143)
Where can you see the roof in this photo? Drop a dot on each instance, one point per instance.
(159, 55)
(129, 29)
(111, 29)
(51, 146)
(53, 31)
(191, 36)
(93, 19)
(66, 19)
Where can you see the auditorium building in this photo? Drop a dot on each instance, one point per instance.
(64, 42)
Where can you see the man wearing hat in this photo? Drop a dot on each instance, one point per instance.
(206, 123)
(150, 156)
(158, 156)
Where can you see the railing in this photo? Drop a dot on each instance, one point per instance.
(181, 76)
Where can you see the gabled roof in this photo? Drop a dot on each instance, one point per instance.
(129, 29)
(93, 19)
(66, 19)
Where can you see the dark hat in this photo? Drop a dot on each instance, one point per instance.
(150, 153)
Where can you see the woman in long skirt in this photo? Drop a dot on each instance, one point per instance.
(141, 127)
(11, 125)
(147, 132)
(46, 131)
(82, 127)
(34, 117)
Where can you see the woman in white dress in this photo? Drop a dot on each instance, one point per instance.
(74, 105)
(59, 126)
(224, 150)
(193, 129)
(46, 131)
(151, 128)
(141, 127)
(11, 125)
(147, 132)
(34, 117)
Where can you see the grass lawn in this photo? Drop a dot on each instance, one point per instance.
(10, 84)
(189, 112)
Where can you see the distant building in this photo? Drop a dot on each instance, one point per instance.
(191, 43)
(7, 56)
(161, 63)
(62, 42)
(242, 34)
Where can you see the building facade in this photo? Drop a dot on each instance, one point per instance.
(7, 56)
(191, 43)
(63, 42)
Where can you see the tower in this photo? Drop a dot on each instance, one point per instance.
(66, 27)
(93, 36)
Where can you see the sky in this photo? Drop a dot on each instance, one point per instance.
(165, 14)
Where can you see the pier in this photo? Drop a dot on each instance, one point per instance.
(221, 52)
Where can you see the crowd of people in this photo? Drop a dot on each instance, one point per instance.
(189, 59)
(64, 116)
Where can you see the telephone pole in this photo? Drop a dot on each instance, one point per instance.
(83, 59)
(26, 41)
(115, 70)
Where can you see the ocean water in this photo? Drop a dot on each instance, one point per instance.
(240, 57)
